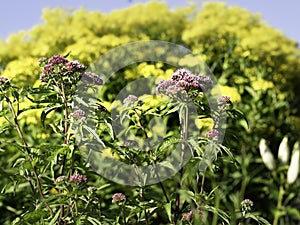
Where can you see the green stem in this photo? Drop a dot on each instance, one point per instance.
(202, 182)
(217, 205)
(25, 145)
(279, 205)
(66, 128)
(184, 134)
(123, 213)
(245, 179)
(145, 211)
(161, 184)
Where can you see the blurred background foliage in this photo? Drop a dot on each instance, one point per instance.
(255, 64)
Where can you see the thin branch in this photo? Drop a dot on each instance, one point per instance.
(25, 146)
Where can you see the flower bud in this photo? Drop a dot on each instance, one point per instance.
(266, 155)
(283, 151)
(293, 170)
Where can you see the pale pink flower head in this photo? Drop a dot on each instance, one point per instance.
(118, 197)
(77, 179)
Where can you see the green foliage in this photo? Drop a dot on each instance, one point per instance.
(49, 172)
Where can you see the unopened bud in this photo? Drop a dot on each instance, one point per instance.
(266, 155)
(293, 170)
(284, 151)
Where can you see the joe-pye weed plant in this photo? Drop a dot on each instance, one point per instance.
(59, 172)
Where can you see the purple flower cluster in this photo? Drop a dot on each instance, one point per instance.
(92, 188)
(91, 78)
(187, 80)
(183, 80)
(189, 215)
(60, 179)
(78, 114)
(42, 61)
(3, 81)
(130, 100)
(48, 68)
(224, 100)
(56, 67)
(164, 85)
(247, 202)
(212, 134)
(174, 90)
(57, 59)
(77, 179)
(74, 66)
(118, 197)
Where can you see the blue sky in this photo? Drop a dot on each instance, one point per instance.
(17, 15)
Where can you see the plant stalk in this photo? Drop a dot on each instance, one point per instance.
(279, 205)
(184, 134)
(25, 145)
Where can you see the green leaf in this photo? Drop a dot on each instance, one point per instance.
(54, 219)
(220, 212)
(16, 95)
(259, 219)
(93, 221)
(174, 109)
(110, 129)
(29, 108)
(91, 131)
(49, 109)
(4, 128)
(168, 208)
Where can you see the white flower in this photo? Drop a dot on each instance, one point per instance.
(284, 151)
(266, 155)
(293, 170)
